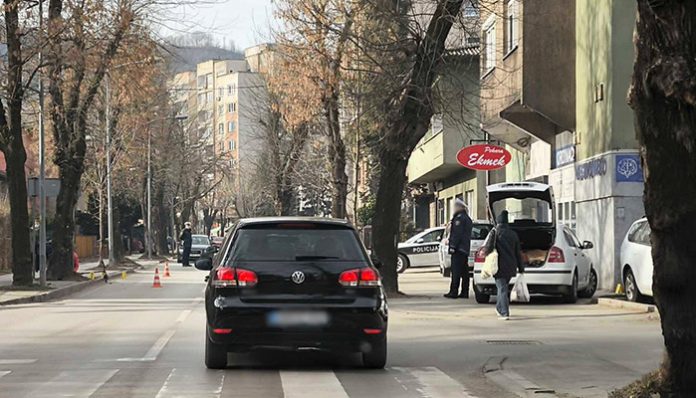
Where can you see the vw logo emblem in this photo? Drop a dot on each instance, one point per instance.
(298, 277)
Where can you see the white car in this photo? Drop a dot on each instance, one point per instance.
(556, 260)
(479, 231)
(420, 250)
(637, 261)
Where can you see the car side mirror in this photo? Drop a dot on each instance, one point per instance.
(420, 240)
(376, 261)
(204, 264)
(587, 245)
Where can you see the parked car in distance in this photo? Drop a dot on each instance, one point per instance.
(216, 242)
(420, 250)
(479, 231)
(557, 262)
(199, 245)
(637, 262)
(294, 283)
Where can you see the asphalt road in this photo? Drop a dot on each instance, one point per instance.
(127, 339)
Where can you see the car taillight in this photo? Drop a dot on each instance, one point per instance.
(479, 258)
(556, 255)
(359, 277)
(246, 278)
(231, 277)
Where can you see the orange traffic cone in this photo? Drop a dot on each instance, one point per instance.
(166, 269)
(156, 282)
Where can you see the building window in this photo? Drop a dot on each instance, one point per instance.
(471, 10)
(232, 107)
(232, 145)
(441, 212)
(221, 109)
(221, 128)
(511, 31)
(221, 91)
(470, 202)
(231, 126)
(489, 42)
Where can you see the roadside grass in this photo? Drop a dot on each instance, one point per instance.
(650, 386)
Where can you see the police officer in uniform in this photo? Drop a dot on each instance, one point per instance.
(459, 247)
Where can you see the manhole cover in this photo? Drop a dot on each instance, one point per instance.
(514, 342)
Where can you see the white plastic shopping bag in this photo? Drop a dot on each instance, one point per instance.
(490, 266)
(520, 292)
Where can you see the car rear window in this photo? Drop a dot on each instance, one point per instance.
(200, 240)
(480, 231)
(277, 244)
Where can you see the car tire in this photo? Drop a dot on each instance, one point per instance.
(481, 298)
(401, 263)
(591, 288)
(631, 287)
(377, 357)
(571, 296)
(215, 354)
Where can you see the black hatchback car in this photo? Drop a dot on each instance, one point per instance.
(294, 284)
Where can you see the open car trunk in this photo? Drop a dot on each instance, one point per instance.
(531, 215)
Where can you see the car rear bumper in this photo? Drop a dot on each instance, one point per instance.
(554, 281)
(349, 329)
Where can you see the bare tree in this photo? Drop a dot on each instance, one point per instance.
(12, 144)
(663, 96)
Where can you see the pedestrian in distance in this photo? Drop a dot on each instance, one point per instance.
(507, 243)
(459, 247)
(187, 240)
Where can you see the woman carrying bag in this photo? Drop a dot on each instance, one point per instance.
(504, 241)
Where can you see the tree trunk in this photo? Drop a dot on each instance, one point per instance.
(22, 274)
(385, 224)
(61, 262)
(663, 96)
(337, 153)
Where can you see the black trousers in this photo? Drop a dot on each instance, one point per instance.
(185, 256)
(460, 273)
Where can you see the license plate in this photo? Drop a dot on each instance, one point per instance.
(285, 319)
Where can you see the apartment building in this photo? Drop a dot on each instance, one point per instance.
(554, 75)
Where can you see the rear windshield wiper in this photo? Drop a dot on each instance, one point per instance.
(305, 258)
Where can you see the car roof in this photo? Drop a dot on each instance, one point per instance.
(200, 235)
(285, 220)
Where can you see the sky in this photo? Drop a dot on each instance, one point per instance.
(246, 22)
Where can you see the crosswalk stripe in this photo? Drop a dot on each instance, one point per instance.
(16, 361)
(192, 384)
(74, 383)
(432, 382)
(311, 384)
(5, 372)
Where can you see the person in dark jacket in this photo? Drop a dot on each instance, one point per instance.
(459, 247)
(507, 243)
(186, 240)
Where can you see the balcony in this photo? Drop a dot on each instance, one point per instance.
(435, 158)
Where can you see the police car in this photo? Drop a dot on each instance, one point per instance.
(420, 250)
(479, 231)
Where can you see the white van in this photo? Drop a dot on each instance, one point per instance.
(556, 260)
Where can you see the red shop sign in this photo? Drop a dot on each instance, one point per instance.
(484, 157)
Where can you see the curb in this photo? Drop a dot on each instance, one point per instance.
(627, 305)
(63, 291)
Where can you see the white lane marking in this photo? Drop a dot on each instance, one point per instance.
(311, 384)
(182, 317)
(191, 384)
(74, 384)
(16, 361)
(159, 345)
(5, 372)
(431, 382)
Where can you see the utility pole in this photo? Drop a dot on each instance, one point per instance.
(149, 195)
(109, 201)
(42, 167)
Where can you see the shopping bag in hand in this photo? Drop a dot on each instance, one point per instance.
(490, 266)
(520, 292)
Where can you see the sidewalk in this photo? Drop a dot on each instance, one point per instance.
(58, 289)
